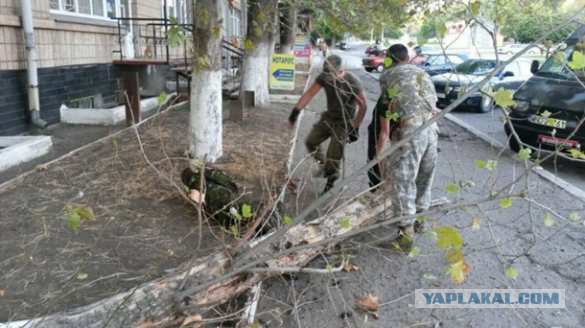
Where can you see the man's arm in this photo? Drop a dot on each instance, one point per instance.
(308, 96)
(362, 108)
(383, 135)
(302, 103)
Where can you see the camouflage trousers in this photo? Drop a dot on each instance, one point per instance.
(410, 173)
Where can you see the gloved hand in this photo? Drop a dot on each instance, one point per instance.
(294, 115)
(354, 135)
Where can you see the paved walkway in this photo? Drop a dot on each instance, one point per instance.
(545, 257)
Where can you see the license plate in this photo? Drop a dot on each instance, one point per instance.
(547, 121)
(550, 140)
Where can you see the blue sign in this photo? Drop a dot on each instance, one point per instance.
(284, 74)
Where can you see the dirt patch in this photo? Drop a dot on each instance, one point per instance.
(142, 227)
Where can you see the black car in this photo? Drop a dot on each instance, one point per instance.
(450, 86)
(439, 63)
(551, 105)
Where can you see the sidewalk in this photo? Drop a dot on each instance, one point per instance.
(545, 257)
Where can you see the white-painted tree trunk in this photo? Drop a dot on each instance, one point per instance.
(205, 122)
(206, 116)
(256, 72)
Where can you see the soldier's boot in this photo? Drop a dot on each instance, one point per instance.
(330, 183)
(405, 238)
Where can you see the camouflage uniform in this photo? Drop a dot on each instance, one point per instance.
(411, 169)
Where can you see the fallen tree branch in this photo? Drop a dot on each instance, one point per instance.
(156, 302)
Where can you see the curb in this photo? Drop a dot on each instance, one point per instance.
(23, 175)
(539, 170)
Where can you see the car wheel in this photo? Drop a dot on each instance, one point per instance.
(380, 68)
(486, 105)
(369, 69)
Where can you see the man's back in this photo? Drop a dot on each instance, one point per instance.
(411, 88)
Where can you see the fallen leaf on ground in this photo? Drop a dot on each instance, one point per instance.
(350, 267)
(82, 276)
(194, 320)
(2, 292)
(369, 303)
(459, 271)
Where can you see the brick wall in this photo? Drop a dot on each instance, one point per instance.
(57, 85)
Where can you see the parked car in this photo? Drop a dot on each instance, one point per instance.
(511, 49)
(450, 86)
(374, 49)
(551, 104)
(375, 62)
(439, 63)
(342, 45)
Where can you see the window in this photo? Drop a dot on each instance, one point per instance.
(179, 9)
(90, 8)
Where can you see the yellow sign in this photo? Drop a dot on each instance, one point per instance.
(282, 72)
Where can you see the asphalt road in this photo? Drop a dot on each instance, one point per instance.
(488, 123)
(544, 256)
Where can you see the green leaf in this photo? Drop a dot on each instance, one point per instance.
(524, 154)
(413, 252)
(329, 268)
(475, 6)
(392, 92)
(511, 272)
(576, 153)
(480, 164)
(548, 220)
(247, 211)
(345, 223)
(234, 230)
(82, 276)
(162, 98)
(506, 203)
(448, 238)
(545, 114)
(577, 61)
(452, 188)
(491, 165)
(504, 98)
(387, 62)
(392, 116)
(248, 44)
(73, 221)
(574, 216)
(287, 220)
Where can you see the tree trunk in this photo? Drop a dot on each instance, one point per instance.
(157, 303)
(259, 48)
(206, 97)
(288, 26)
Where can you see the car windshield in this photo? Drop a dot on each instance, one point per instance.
(476, 67)
(557, 65)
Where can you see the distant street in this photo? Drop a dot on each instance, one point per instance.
(488, 123)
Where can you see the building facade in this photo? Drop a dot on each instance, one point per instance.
(77, 43)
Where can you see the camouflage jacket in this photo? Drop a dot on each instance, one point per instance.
(411, 90)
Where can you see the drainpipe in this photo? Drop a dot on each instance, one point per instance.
(31, 56)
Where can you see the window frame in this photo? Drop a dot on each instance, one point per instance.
(61, 10)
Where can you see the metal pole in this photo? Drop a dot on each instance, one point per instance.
(120, 40)
(32, 69)
(166, 28)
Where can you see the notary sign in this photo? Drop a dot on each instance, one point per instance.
(282, 72)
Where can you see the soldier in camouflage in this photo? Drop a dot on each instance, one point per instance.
(411, 100)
